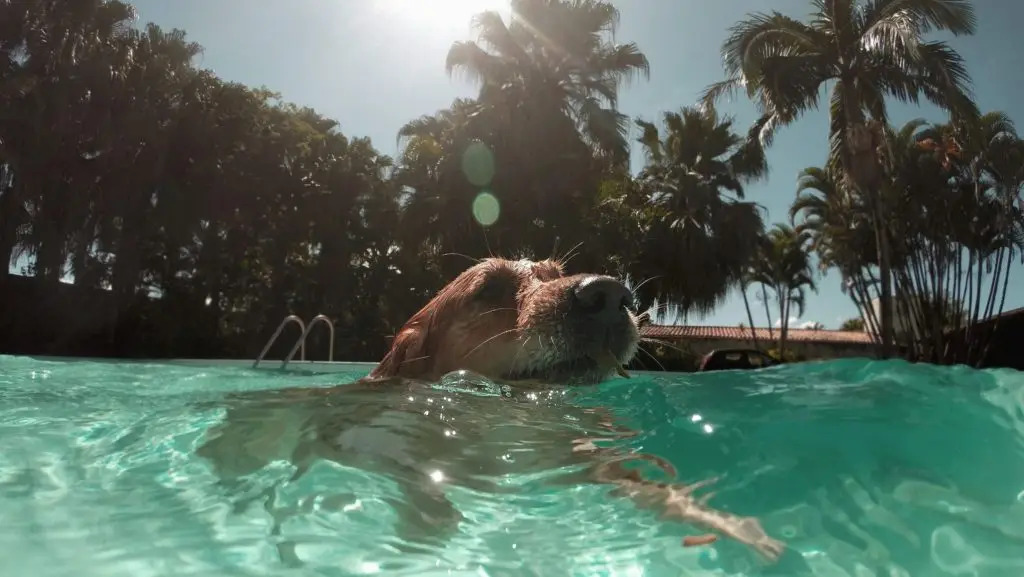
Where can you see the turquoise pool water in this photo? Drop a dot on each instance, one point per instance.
(863, 468)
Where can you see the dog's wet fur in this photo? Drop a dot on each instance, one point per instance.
(522, 325)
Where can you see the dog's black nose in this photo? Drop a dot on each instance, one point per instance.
(603, 297)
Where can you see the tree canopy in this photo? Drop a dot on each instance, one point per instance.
(163, 211)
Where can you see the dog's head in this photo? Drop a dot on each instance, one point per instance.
(517, 320)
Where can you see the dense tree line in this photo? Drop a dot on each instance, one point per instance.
(210, 210)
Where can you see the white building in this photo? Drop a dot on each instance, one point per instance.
(900, 310)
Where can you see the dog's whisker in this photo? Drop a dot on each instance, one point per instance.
(645, 281)
(499, 335)
(515, 359)
(554, 249)
(414, 359)
(506, 309)
(652, 357)
(558, 258)
(473, 259)
(643, 318)
(570, 254)
(661, 307)
(663, 344)
(487, 244)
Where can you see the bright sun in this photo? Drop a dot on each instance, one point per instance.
(443, 14)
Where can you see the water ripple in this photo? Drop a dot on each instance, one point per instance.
(863, 468)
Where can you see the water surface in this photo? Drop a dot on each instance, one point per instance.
(863, 468)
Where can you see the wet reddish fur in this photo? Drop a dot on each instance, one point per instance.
(453, 331)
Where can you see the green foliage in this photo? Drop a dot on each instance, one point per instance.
(206, 211)
(786, 356)
(957, 224)
(691, 191)
(910, 215)
(783, 265)
(854, 324)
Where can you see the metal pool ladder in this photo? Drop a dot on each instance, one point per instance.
(301, 343)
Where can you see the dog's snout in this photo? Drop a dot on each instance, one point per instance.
(603, 297)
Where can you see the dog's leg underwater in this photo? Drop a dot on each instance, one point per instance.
(426, 518)
(676, 501)
(604, 465)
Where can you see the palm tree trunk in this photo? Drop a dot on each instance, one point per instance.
(885, 278)
(864, 171)
(995, 321)
(784, 316)
(767, 312)
(750, 316)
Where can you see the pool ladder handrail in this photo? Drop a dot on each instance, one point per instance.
(300, 344)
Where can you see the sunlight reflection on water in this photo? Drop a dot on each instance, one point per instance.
(863, 468)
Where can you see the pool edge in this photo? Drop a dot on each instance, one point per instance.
(267, 364)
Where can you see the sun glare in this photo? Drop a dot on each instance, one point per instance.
(440, 14)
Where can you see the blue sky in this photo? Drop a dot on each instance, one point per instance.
(375, 64)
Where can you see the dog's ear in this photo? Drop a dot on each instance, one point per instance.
(408, 355)
(412, 354)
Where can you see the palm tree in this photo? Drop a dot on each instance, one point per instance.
(763, 297)
(437, 194)
(745, 282)
(554, 64)
(852, 324)
(693, 184)
(958, 186)
(953, 191)
(838, 226)
(785, 267)
(870, 51)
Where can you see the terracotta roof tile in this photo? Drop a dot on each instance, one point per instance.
(743, 334)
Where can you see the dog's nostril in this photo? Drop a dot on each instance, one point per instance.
(603, 296)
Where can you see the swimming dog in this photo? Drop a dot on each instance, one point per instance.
(520, 325)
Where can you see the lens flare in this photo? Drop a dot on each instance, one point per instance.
(486, 209)
(478, 164)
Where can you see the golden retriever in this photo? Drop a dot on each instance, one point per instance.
(516, 324)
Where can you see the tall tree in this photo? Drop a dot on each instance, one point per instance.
(785, 267)
(693, 184)
(954, 193)
(556, 62)
(870, 51)
(54, 55)
(744, 284)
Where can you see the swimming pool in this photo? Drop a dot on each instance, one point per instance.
(863, 468)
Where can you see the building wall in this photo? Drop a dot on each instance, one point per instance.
(807, 350)
(900, 312)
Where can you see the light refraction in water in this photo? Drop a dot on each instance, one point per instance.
(863, 468)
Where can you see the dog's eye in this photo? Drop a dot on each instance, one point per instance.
(494, 288)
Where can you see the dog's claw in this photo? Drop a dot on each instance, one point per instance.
(750, 531)
(698, 540)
